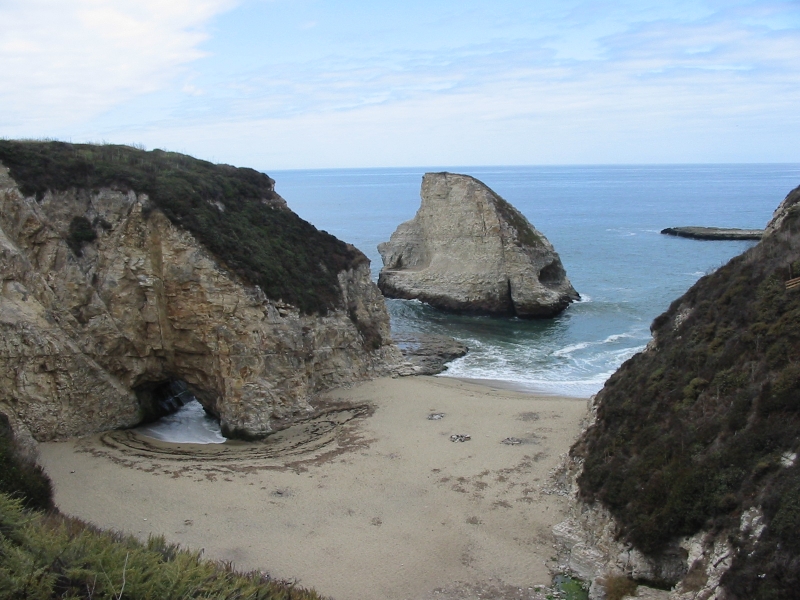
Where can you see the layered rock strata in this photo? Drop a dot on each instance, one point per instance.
(468, 250)
(86, 336)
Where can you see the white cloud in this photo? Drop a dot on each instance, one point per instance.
(706, 84)
(663, 71)
(67, 61)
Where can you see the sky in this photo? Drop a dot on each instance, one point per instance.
(301, 84)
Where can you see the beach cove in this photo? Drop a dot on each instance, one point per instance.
(371, 499)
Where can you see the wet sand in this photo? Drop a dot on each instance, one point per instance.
(370, 500)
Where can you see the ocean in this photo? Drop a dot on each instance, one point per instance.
(605, 223)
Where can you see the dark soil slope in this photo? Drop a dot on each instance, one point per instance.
(704, 425)
(234, 212)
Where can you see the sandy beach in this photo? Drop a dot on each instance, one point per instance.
(370, 500)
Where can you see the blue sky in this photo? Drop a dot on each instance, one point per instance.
(278, 84)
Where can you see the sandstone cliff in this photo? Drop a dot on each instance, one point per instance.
(688, 476)
(104, 300)
(468, 250)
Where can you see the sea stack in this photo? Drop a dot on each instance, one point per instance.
(468, 250)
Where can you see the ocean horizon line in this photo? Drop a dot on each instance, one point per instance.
(440, 168)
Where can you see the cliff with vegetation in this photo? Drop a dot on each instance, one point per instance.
(688, 477)
(126, 271)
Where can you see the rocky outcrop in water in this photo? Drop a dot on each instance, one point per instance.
(784, 210)
(714, 233)
(468, 250)
(94, 325)
(427, 353)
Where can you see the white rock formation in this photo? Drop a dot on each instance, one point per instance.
(468, 250)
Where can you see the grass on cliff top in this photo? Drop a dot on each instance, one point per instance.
(692, 434)
(253, 235)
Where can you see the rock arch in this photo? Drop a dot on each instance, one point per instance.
(145, 303)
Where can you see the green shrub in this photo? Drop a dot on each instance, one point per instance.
(20, 476)
(618, 587)
(80, 233)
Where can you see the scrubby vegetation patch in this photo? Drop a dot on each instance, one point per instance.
(695, 432)
(525, 233)
(80, 232)
(20, 477)
(618, 587)
(234, 212)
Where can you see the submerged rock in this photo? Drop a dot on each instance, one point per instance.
(468, 250)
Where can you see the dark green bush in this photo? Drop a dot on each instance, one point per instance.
(80, 233)
(20, 476)
(691, 434)
(252, 233)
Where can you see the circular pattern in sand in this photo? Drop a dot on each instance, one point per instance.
(314, 440)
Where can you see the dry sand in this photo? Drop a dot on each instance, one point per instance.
(369, 501)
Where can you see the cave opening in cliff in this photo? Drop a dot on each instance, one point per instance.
(171, 413)
(552, 273)
(158, 399)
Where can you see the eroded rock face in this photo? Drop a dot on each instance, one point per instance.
(145, 303)
(788, 205)
(589, 546)
(468, 250)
